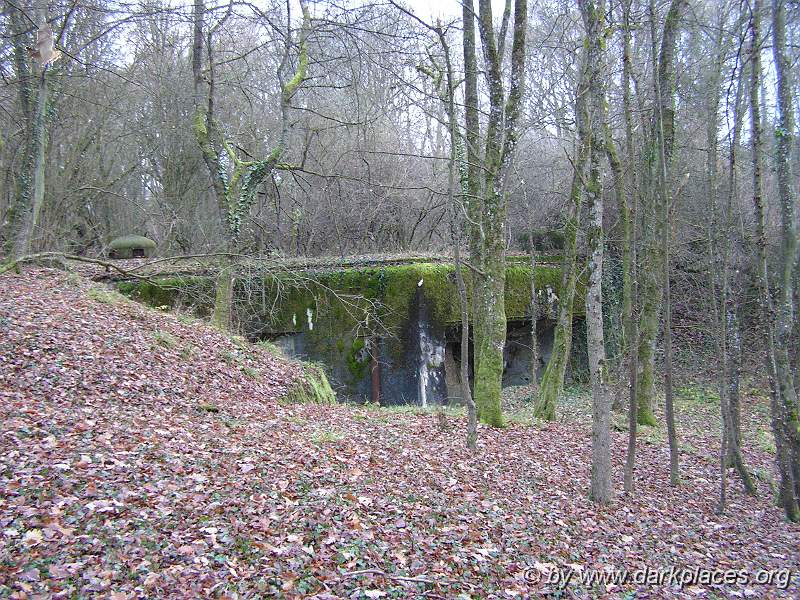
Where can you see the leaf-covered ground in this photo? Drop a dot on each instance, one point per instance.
(143, 455)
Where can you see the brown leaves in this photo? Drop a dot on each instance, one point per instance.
(33, 537)
(114, 483)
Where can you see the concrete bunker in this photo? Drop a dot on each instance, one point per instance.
(131, 246)
(389, 333)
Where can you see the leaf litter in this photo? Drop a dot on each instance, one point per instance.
(116, 482)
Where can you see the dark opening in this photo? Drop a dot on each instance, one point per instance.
(137, 252)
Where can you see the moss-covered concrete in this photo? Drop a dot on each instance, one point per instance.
(124, 247)
(375, 298)
(338, 312)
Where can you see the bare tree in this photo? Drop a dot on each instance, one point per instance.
(34, 100)
(783, 455)
(487, 208)
(553, 377)
(628, 214)
(786, 315)
(594, 63)
(235, 180)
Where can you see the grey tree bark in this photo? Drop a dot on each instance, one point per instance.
(785, 310)
(488, 211)
(631, 324)
(31, 199)
(593, 19)
(783, 452)
(456, 162)
(665, 139)
(725, 318)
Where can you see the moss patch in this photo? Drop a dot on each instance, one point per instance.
(106, 296)
(311, 388)
(371, 297)
(128, 242)
(357, 360)
(196, 291)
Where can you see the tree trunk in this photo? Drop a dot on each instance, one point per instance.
(663, 137)
(783, 455)
(785, 316)
(473, 197)
(796, 343)
(627, 249)
(665, 124)
(234, 180)
(726, 318)
(730, 332)
(669, 409)
(631, 324)
(455, 161)
(734, 339)
(552, 382)
(31, 200)
(30, 217)
(21, 200)
(489, 250)
(534, 319)
(489, 310)
(600, 492)
(466, 393)
(222, 316)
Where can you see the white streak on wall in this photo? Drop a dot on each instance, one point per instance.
(431, 358)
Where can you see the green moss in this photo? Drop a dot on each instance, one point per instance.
(129, 242)
(645, 416)
(416, 409)
(766, 441)
(545, 406)
(124, 247)
(697, 395)
(271, 348)
(327, 436)
(646, 386)
(228, 357)
(346, 306)
(356, 362)
(170, 291)
(342, 300)
(251, 372)
(164, 338)
(106, 296)
(543, 239)
(488, 388)
(311, 388)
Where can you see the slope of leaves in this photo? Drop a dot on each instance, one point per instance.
(144, 457)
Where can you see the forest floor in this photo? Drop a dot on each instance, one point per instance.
(143, 454)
